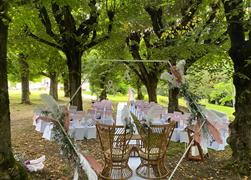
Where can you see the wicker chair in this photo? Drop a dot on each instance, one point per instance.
(152, 152)
(115, 146)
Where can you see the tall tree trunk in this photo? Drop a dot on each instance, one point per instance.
(74, 67)
(139, 93)
(6, 157)
(151, 87)
(8, 168)
(240, 137)
(54, 85)
(66, 85)
(25, 72)
(103, 94)
(173, 100)
(240, 52)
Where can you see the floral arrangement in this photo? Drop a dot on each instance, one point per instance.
(203, 128)
(59, 115)
(176, 78)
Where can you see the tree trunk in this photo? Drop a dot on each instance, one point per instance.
(54, 85)
(103, 94)
(74, 67)
(8, 167)
(240, 136)
(173, 100)
(66, 85)
(24, 71)
(240, 52)
(151, 87)
(139, 93)
(6, 157)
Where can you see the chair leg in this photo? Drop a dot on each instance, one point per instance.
(116, 171)
(105, 174)
(152, 170)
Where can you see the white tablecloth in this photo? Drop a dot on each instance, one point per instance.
(80, 130)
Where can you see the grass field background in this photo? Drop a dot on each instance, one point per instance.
(15, 97)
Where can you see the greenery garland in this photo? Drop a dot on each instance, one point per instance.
(56, 114)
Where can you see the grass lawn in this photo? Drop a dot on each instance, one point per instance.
(224, 109)
(15, 96)
(35, 98)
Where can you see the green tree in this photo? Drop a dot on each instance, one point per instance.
(19, 65)
(51, 64)
(74, 31)
(25, 77)
(169, 38)
(9, 169)
(104, 76)
(212, 69)
(19, 70)
(238, 19)
(21, 50)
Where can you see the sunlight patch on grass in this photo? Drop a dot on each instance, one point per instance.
(15, 96)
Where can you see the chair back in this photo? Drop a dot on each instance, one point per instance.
(155, 138)
(158, 137)
(114, 141)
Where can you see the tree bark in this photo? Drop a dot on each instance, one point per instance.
(6, 157)
(8, 167)
(25, 73)
(139, 93)
(66, 85)
(240, 52)
(173, 100)
(240, 136)
(103, 94)
(74, 67)
(54, 85)
(151, 87)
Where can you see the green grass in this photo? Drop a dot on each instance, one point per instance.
(118, 98)
(224, 109)
(15, 96)
(163, 100)
(227, 110)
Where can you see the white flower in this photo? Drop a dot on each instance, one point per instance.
(180, 68)
(171, 78)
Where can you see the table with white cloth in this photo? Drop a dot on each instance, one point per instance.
(83, 125)
(81, 129)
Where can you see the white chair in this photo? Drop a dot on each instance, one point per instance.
(41, 125)
(48, 134)
(38, 125)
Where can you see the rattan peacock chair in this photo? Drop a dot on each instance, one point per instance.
(152, 152)
(114, 142)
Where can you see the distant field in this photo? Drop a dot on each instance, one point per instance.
(15, 96)
(35, 98)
